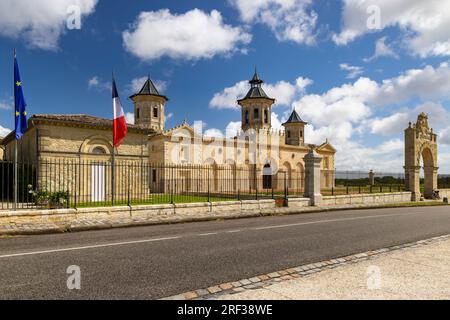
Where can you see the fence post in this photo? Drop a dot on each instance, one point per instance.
(129, 183)
(286, 191)
(209, 181)
(171, 187)
(359, 189)
(256, 184)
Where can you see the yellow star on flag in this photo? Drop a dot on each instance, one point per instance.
(17, 113)
(18, 83)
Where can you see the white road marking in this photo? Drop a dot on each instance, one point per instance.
(87, 247)
(332, 220)
(202, 234)
(207, 234)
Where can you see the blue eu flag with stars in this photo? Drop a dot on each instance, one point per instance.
(20, 104)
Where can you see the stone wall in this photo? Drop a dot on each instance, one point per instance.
(444, 193)
(372, 198)
(71, 216)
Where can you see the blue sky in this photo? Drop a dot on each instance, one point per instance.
(357, 84)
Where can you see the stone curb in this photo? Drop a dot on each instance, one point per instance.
(265, 280)
(63, 228)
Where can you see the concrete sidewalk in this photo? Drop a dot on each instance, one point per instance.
(416, 272)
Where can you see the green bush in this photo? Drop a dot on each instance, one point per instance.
(43, 198)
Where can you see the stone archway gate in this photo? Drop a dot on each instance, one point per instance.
(420, 143)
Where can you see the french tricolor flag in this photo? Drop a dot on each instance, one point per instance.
(119, 123)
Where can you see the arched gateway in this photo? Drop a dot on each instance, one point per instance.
(420, 144)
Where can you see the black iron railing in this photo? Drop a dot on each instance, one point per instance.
(64, 183)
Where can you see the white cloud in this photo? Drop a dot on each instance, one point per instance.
(397, 122)
(4, 131)
(190, 36)
(129, 117)
(137, 83)
(342, 112)
(233, 128)
(216, 133)
(6, 105)
(428, 83)
(382, 50)
(352, 71)
(289, 20)
(98, 84)
(284, 92)
(424, 24)
(40, 23)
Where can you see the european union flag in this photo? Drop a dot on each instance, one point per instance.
(20, 104)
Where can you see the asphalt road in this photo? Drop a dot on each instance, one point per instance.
(159, 261)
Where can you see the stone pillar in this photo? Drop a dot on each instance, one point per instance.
(312, 177)
(371, 178)
(430, 181)
(413, 179)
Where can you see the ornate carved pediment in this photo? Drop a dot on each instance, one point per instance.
(422, 128)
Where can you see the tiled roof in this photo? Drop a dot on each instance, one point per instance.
(295, 118)
(83, 119)
(149, 89)
(256, 91)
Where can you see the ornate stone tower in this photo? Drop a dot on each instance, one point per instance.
(149, 107)
(294, 130)
(420, 144)
(256, 106)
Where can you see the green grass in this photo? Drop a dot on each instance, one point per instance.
(153, 201)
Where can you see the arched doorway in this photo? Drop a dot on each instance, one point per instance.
(267, 177)
(420, 151)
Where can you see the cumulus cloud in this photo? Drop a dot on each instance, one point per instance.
(6, 105)
(382, 49)
(40, 23)
(398, 121)
(190, 36)
(129, 117)
(424, 24)
(284, 92)
(352, 71)
(4, 131)
(343, 112)
(289, 20)
(98, 84)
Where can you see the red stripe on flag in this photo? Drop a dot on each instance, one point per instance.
(120, 130)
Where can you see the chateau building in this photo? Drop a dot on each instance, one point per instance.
(256, 150)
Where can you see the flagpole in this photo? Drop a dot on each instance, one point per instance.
(113, 175)
(15, 150)
(113, 171)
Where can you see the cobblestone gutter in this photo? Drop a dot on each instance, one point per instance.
(265, 280)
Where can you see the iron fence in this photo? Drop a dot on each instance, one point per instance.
(76, 183)
(358, 182)
(444, 181)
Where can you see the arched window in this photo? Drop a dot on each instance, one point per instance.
(256, 116)
(99, 150)
(137, 113)
(266, 116)
(246, 117)
(155, 112)
(288, 134)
